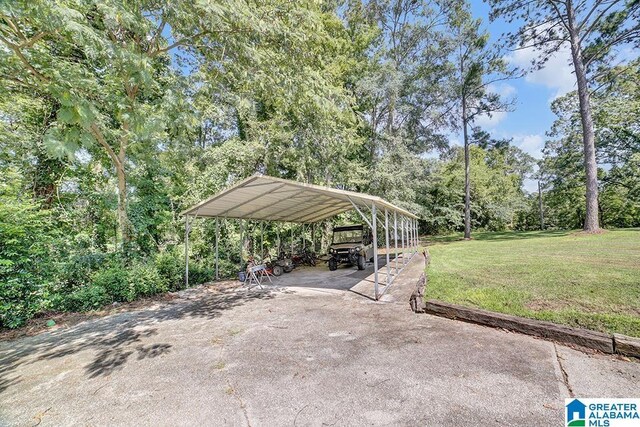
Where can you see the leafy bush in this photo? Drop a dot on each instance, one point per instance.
(114, 280)
(27, 241)
(170, 267)
(78, 270)
(125, 283)
(200, 272)
(144, 280)
(226, 269)
(86, 298)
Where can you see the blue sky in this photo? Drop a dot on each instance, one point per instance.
(532, 117)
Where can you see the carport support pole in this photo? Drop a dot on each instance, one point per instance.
(413, 235)
(407, 238)
(241, 244)
(411, 241)
(186, 251)
(402, 236)
(261, 239)
(386, 241)
(410, 232)
(375, 249)
(407, 248)
(217, 239)
(395, 237)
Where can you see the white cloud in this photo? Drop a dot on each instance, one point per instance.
(486, 122)
(557, 73)
(454, 140)
(530, 185)
(531, 144)
(503, 89)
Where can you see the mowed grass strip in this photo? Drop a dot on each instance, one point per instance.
(566, 277)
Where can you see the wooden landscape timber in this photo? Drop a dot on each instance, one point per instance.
(605, 343)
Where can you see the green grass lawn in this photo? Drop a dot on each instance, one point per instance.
(590, 281)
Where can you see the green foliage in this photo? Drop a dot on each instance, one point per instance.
(116, 116)
(79, 268)
(170, 266)
(496, 189)
(27, 242)
(617, 115)
(114, 279)
(144, 280)
(85, 298)
(124, 282)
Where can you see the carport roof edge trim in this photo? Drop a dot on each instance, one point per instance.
(254, 199)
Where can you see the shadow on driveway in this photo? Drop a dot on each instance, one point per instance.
(114, 338)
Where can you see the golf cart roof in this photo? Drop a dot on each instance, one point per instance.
(348, 227)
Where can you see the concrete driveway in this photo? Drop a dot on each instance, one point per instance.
(295, 356)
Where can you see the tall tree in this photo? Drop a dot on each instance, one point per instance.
(499, 171)
(103, 62)
(617, 142)
(593, 30)
(477, 66)
(110, 66)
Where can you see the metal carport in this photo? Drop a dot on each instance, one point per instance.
(266, 198)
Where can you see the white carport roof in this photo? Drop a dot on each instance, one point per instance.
(262, 197)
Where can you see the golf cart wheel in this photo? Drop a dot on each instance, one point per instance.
(288, 269)
(277, 270)
(333, 264)
(361, 262)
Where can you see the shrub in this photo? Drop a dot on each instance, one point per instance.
(78, 269)
(126, 282)
(86, 298)
(27, 240)
(170, 268)
(201, 272)
(114, 280)
(144, 280)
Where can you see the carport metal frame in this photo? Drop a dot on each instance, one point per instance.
(311, 204)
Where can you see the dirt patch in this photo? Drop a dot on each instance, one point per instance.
(65, 320)
(589, 233)
(545, 305)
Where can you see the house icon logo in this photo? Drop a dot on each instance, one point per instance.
(576, 413)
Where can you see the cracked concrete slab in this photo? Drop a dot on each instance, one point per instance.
(598, 375)
(294, 356)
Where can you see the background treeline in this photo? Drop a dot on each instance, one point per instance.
(115, 116)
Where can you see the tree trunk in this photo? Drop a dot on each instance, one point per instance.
(123, 219)
(118, 163)
(591, 221)
(467, 184)
(540, 206)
